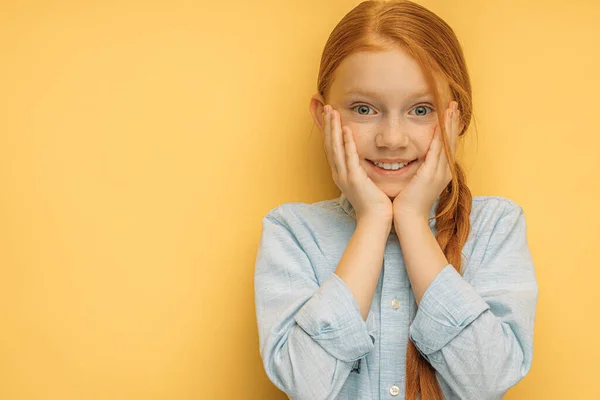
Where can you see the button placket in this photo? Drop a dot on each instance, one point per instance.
(394, 289)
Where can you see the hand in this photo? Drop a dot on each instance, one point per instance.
(417, 198)
(366, 198)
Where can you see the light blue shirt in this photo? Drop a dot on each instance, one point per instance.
(476, 329)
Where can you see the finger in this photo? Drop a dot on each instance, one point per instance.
(452, 135)
(438, 145)
(447, 134)
(352, 160)
(443, 167)
(339, 155)
(328, 143)
(455, 130)
(432, 157)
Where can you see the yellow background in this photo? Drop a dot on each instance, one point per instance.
(141, 143)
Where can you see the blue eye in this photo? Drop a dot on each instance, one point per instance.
(363, 106)
(421, 108)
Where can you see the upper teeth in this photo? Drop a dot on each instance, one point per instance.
(391, 166)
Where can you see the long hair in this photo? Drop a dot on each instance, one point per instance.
(380, 26)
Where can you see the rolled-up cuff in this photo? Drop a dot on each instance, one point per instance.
(448, 305)
(333, 319)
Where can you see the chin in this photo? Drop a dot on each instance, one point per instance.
(391, 190)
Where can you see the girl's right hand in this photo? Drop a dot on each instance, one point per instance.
(366, 198)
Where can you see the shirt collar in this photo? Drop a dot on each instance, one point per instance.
(347, 207)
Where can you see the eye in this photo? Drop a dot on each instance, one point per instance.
(420, 110)
(364, 107)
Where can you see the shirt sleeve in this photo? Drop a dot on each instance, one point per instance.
(479, 335)
(311, 336)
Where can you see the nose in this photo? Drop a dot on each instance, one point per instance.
(392, 134)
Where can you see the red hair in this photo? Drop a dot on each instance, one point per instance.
(381, 26)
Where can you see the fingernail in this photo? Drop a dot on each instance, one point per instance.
(454, 105)
(326, 110)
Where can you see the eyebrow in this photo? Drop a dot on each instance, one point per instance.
(375, 94)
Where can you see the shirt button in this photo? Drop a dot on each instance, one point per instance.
(395, 304)
(394, 390)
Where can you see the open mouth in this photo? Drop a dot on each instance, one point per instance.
(392, 168)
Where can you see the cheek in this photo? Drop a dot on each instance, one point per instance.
(423, 141)
(361, 138)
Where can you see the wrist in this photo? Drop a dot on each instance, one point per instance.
(383, 224)
(410, 222)
(410, 219)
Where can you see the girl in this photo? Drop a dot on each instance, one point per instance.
(405, 286)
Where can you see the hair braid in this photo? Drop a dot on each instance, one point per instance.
(452, 232)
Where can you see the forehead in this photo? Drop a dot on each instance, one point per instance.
(390, 73)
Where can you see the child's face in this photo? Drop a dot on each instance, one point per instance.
(395, 121)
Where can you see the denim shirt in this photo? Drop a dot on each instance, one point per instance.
(475, 327)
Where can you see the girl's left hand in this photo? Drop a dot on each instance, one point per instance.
(417, 198)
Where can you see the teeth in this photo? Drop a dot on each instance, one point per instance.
(394, 166)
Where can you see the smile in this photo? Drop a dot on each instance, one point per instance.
(394, 169)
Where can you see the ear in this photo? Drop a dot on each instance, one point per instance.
(316, 107)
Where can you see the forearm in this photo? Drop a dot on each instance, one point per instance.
(480, 346)
(311, 333)
(422, 254)
(302, 368)
(360, 265)
(482, 361)
(480, 340)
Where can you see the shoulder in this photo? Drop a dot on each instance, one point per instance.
(321, 216)
(297, 210)
(320, 230)
(488, 211)
(494, 206)
(499, 249)
(497, 225)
